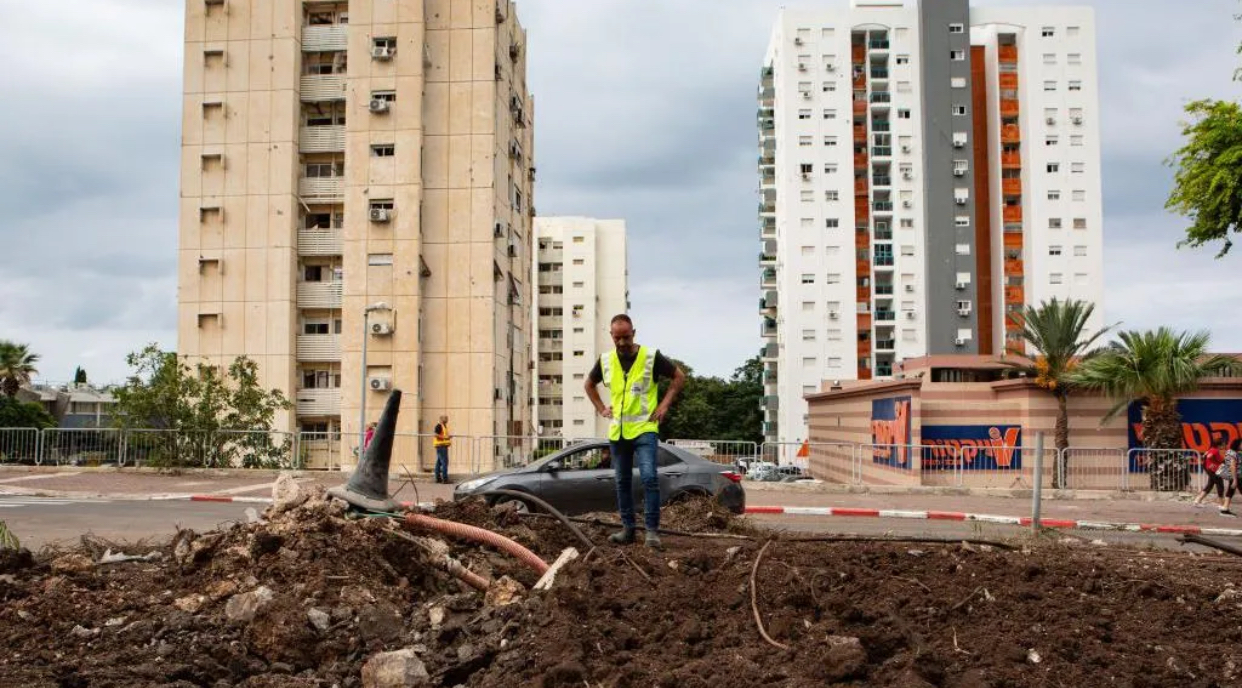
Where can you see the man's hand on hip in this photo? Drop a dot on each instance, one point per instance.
(660, 412)
(604, 412)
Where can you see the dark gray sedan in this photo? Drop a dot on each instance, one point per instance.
(579, 479)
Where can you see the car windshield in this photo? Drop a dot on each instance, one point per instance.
(575, 455)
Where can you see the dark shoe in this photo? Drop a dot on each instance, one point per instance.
(653, 540)
(625, 536)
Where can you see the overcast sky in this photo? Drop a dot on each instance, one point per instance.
(645, 111)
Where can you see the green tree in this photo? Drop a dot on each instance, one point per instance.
(1057, 332)
(79, 376)
(23, 414)
(1154, 368)
(220, 418)
(711, 408)
(1207, 187)
(17, 366)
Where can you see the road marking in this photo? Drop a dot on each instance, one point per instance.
(42, 476)
(9, 503)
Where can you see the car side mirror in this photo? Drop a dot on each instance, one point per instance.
(554, 467)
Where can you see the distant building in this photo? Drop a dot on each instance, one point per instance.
(582, 281)
(73, 406)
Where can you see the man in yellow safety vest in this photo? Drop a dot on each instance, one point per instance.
(630, 372)
(443, 440)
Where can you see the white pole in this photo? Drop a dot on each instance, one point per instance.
(1039, 481)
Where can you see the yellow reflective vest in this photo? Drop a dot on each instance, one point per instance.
(443, 438)
(634, 395)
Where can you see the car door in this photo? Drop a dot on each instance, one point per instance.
(671, 471)
(582, 482)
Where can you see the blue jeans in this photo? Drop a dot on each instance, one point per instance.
(441, 464)
(623, 453)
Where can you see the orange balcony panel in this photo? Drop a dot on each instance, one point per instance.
(860, 107)
(864, 321)
(863, 267)
(1008, 54)
(860, 160)
(1008, 81)
(1012, 213)
(862, 215)
(1014, 295)
(860, 82)
(1011, 161)
(1014, 267)
(860, 134)
(864, 349)
(860, 188)
(1010, 133)
(1012, 187)
(864, 293)
(858, 54)
(864, 373)
(1009, 108)
(1013, 240)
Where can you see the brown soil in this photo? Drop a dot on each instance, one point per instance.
(851, 613)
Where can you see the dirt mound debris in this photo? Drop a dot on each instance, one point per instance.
(310, 597)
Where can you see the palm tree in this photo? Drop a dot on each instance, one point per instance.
(1154, 368)
(1056, 330)
(17, 365)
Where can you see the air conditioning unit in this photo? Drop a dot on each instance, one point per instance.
(959, 342)
(380, 215)
(959, 143)
(806, 176)
(381, 52)
(381, 329)
(380, 105)
(830, 67)
(832, 315)
(379, 383)
(907, 175)
(905, 148)
(909, 315)
(806, 95)
(801, 66)
(959, 172)
(909, 288)
(965, 311)
(1076, 120)
(1051, 120)
(962, 285)
(907, 204)
(960, 200)
(797, 41)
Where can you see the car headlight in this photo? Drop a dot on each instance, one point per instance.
(472, 485)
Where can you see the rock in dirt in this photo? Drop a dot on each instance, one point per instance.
(243, 607)
(83, 632)
(503, 592)
(845, 659)
(73, 563)
(190, 603)
(1229, 594)
(287, 494)
(319, 619)
(395, 670)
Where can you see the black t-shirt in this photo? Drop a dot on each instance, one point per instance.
(664, 368)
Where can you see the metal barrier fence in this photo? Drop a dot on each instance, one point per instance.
(19, 445)
(1093, 468)
(319, 450)
(723, 452)
(80, 447)
(832, 461)
(1167, 470)
(786, 454)
(208, 449)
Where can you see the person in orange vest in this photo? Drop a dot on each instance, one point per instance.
(443, 440)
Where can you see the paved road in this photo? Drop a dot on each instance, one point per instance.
(38, 522)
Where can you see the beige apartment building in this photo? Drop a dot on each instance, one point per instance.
(582, 276)
(355, 156)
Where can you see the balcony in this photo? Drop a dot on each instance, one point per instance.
(882, 180)
(879, 74)
(881, 125)
(860, 134)
(1014, 267)
(325, 38)
(883, 235)
(860, 108)
(881, 97)
(319, 347)
(1009, 81)
(1010, 133)
(769, 352)
(882, 151)
(884, 315)
(320, 242)
(1014, 295)
(864, 323)
(322, 189)
(862, 267)
(318, 402)
(768, 301)
(1011, 187)
(1009, 108)
(767, 259)
(322, 139)
(863, 293)
(767, 328)
(319, 88)
(885, 345)
(1008, 54)
(767, 208)
(768, 277)
(882, 206)
(319, 294)
(1012, 213)
(858, 53)
(860, 160)
(551, 279)
(1011, 161)
(771, 402)
(860, 187)
(766, 161)
(881, 45)
(864, 348)
(884, 261)
(860, 82)
(883, 290)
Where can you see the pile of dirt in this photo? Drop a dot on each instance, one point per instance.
(309, 597)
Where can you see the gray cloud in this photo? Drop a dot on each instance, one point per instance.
(644, 113)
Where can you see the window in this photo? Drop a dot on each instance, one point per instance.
(808, 250)
(1054, 278)
(827, 33)
(834, 361)
(388, 96)
(579, 285)
(1049, 32)
(830, 114)
(1050, 58)
(907, 250)
(1076, 140)
(804, 114)
(382, 204)
(1080, 251)
(325, 169)
(1080, 223)
(1050, 85)
(904, 87)
(957, 28)
(1054, 223)
(808, 306)
(388, 43)
(960, 167)
(808, 222)
(903, 59)
(1074, 58)
(1075, 85)
(383, 150)
(832, 251)
(808, 335)
(957, 55)
(375, 259)
(579, 261)
(958, 82)
(829, 87)
(806, 141)
(961, 221)
(834, 278)
(1054, 250)
(907, 223)
(832, 195)
(1054, 195)
(808, 278)
(1072, 31)
(809, 389)
(808, 362)
(1075, 114)
(830, 140)
(830, 168)
(963, 249)
(959, 110)
(1054, 167)
(832, 223)
(808, 196)
(834, 335)
(1078, 167)
(1080, 195)
(903, 113)
(804, 87)
(1051, 140)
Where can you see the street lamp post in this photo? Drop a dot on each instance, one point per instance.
(362, 374)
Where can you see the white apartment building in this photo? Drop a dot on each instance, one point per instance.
(927, 169)
(582, 281)
(342, 157)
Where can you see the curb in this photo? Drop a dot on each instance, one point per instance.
(851, 512)
(225, 499)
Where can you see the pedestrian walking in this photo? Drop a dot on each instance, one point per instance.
(1213, 459)
(631, 373)
(442, 442)
(1229, 473)
(366, 439)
